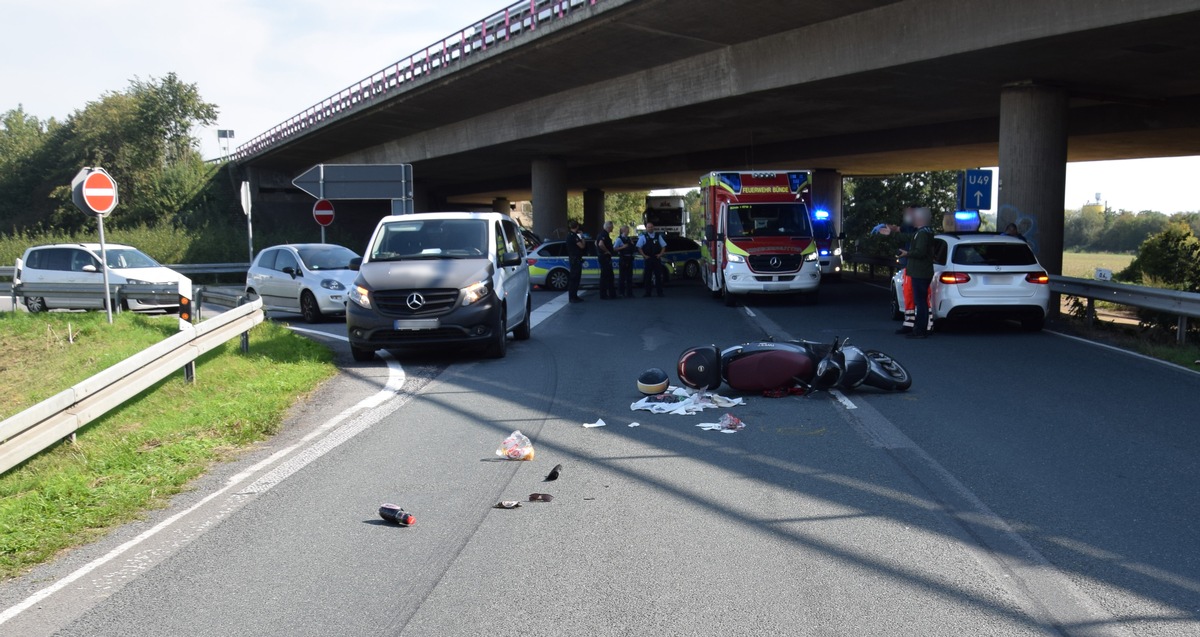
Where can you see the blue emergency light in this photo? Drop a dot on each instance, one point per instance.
(821, 214)
(966, 221)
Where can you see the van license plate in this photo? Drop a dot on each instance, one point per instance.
(417, 324)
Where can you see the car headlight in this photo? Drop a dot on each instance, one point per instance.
(137, 282)
(837, 252)
(475, 292)
(332, 284)
(737, 258)
(361, 296)
(811, 256)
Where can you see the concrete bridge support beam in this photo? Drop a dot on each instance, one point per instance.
(501, 205)
(549, 198)
(1033, 167)
(593, 210)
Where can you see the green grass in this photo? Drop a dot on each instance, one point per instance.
(1184, 355)
(138, 456)
(1083, 264)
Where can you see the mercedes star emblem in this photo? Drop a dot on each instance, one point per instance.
(775, 262)
(415, 301)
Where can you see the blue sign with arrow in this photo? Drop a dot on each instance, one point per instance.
(975, 189)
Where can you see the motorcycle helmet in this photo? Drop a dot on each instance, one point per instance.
(653, 381)
(700, 367)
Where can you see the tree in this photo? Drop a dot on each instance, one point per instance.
(872, 200)
(1170, 258)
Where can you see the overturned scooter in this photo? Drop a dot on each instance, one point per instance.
(808, 365)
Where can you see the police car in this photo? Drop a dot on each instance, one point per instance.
(549, 268)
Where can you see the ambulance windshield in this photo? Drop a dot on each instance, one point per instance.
(767, 220)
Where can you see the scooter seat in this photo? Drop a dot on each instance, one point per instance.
(762, 371)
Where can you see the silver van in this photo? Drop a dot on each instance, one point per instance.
(434, 279)
(80, 263)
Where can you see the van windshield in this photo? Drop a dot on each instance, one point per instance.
(431, 239)
(126, 258)
(767, 220)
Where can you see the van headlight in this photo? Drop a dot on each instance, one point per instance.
(475, 292)
(361, 296)
(810, 257)
(837, 252)
(332, 284)
(136, 282)
(737, 258)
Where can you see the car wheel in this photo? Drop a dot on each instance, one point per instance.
(1033, 325)
(523, 331)
(362, 354)
(897, 311)
(35, 304)
(499, 346)
(309, 308)
(558, 280)
(691, 270)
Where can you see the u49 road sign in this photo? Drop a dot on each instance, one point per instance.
(977, 190)
(94, 191)
(323, 212)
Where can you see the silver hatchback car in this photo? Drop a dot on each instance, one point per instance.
(311, 279)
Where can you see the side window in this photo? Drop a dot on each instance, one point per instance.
(57, 259)
(81, 259)
(554, 250)
(512, 239)
(285, 259)
(500, 246)
(34, 260)
(940, 250)
(267, 259)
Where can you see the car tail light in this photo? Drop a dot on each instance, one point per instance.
(954, 278)
(531, 261)
(1040, 278)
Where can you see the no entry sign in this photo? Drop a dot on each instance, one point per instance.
(94, 191)
(323, 212)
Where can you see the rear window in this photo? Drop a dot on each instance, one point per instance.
(994, 254)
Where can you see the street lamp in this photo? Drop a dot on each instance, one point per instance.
(223, 137)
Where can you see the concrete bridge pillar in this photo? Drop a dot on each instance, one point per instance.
(550, 198)
(827, 196)
(501, 205)
(1033, 167)
(593, 210)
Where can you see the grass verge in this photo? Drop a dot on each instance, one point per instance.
(138, 456)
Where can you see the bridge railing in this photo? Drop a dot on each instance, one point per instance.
(498, 28)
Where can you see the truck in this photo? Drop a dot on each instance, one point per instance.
(666, 213)
(758, 234)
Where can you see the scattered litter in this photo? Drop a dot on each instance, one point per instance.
(599, 423)
(635, 424)
(540, 497)
(683, 402)
(393, 513)
(516, 447)
(507, 504)
(729, 424)
(554, 473)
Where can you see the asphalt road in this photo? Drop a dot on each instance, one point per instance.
(1027, 484)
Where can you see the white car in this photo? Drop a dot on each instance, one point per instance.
(984, 276)
(80, 263)
(311, 279)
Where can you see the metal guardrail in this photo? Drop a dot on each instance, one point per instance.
(498, 28)
(28, 433)
(167, 294)
(1185, 305)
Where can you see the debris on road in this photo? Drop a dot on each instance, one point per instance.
(540, 497)
(516, 446)
(507, 504)
(393, 513)
(728, 424)
(599, 423)
(554, 473)
(682, 402)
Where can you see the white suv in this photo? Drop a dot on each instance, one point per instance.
(984, 275)
(80, 263)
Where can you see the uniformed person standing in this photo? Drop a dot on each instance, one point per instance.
(604, 250)
(652, 244)
(575, 247)
(625, 247)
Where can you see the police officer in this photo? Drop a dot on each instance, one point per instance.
(604, 249)
(625, 247)
(652, 244)
(575, 247)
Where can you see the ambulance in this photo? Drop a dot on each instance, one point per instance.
(758, 234)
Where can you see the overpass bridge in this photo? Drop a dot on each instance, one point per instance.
(557, 96)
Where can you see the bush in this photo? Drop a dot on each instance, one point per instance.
(1171, 260)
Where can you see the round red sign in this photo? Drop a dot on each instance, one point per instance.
(100, 193)
(323, 212)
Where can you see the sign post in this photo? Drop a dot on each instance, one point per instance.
(94, 192)
(323, 214)
(246, 203)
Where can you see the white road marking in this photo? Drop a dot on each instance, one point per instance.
(749, 312)
(841, 398)
(305, 330)
(373, 410)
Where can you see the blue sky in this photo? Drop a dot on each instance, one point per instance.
(262, 61)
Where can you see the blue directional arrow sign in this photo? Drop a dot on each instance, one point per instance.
(977, 190)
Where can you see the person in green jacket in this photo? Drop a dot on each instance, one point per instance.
(920, 269)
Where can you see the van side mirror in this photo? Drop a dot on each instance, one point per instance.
(355, 263)
(89, 268)
(510, 259)
(710, 233)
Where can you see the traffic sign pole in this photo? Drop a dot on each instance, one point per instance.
(94, 192)
(104, 269)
